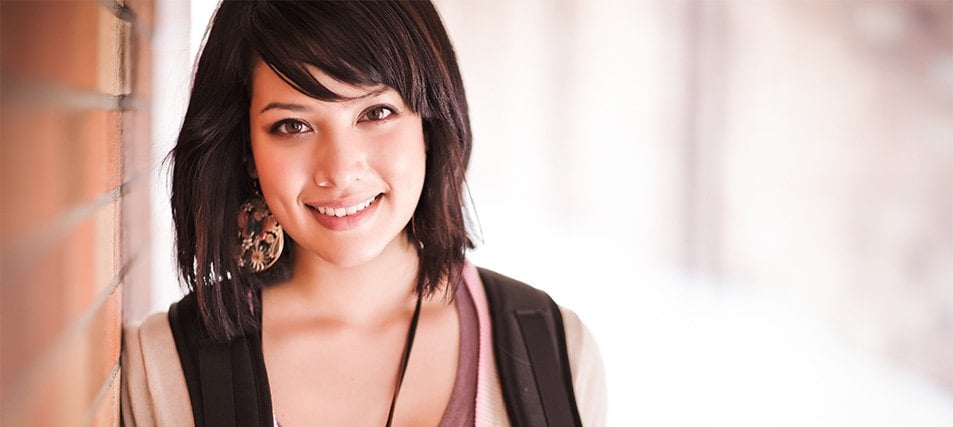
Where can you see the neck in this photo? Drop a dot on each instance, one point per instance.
(370, 292)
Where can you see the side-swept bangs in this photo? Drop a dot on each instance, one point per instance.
(353, 42)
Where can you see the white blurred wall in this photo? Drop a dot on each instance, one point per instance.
(750, 203)
(180, 26)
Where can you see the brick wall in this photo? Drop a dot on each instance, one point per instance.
(74, 181)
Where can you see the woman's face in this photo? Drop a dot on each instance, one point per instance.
(342, 178)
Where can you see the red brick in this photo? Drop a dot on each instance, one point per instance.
(77, 44)
(66, 376)
(53, 161)
(138, 163)
(144, 11)
(61, 285)
(114, 53)
(52, 41)
(140, 59)
(107, 411)
(136, 243)
(56, 159)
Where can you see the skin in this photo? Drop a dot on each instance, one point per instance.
(334, 333)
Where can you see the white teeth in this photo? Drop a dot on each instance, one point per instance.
(342, 212)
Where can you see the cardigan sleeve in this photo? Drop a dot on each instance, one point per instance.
(153, 390)
(588, 373)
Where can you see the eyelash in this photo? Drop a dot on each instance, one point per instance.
(281, 127)
(391, 112)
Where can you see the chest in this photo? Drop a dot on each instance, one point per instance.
(332, 375)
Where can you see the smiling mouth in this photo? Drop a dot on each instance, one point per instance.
(345, 212)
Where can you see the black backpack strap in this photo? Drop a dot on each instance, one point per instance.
(227, 382)
(530, 348)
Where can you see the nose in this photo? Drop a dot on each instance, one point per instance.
(340, 160)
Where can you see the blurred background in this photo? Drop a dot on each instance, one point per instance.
(749, 203)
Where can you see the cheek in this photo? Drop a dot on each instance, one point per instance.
(276, 175)
(275, 161)
(265, 165)
(410, 149)
(407, 162)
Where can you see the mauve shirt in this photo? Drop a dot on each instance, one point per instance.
(461, 408)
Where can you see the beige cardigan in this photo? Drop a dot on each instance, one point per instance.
(154, 392)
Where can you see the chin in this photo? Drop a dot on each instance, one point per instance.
(350, 259)
(354, 251)
(347, 255)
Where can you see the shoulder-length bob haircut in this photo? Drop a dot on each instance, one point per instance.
(399, 44)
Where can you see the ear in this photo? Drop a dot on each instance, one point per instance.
(250, 168)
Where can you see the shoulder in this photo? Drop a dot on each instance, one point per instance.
(502, 293)
(588, 372)
(153, 387)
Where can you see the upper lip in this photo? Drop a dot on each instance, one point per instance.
(342, 202)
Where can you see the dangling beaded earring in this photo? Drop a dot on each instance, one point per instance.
(261, 237)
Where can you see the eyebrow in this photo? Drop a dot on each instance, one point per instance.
(298, 108)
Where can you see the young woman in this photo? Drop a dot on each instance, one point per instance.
(318, 204)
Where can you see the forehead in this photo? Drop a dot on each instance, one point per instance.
(267, 84)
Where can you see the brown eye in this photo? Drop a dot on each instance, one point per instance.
(290, 127)
(376, 113)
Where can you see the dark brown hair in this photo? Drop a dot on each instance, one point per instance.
(399, 44)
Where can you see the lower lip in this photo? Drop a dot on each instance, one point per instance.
(349, 222)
